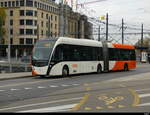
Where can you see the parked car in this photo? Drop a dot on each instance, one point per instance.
(26, 59)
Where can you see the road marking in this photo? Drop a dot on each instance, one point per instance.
(65, 85)
(99, 108)
(75, 84)
(144, 104)
(14, 89)
(144, 95)
(121, 106)
(53, 86)
(27, 88)
(36, 104)
(87, 108)
(143, 89)
(2, 90)
(136, 100)
(110, 107)
(41, 87)
(52, 109)
(28, 83)
(84, 99)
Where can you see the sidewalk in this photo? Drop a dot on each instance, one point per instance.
(6, 76)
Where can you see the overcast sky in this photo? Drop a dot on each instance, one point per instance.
(133, 11)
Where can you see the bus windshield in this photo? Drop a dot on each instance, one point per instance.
(43, 50)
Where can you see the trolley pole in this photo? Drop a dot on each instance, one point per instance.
(107, 27)
(122, 31)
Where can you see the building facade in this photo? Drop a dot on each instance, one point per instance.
(30, 20)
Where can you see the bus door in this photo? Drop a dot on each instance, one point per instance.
(105, 56)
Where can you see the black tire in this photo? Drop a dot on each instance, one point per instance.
(99, 69)
(65, 71)
(126, 67)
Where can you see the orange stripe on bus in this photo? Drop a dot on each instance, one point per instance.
(124, 46)
(119, 65)
(74, 65)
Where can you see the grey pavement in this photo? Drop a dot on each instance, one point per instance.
(6, 76)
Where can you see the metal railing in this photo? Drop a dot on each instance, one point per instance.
(13, 67)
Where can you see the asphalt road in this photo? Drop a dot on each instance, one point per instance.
(106, 92)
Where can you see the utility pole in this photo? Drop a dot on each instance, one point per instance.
(99, 39)
(141, 41)
(122, 31)
(142, 36)
(107, 27)
(9, 45)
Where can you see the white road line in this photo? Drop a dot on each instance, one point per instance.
(27, 88)
(2, 90)
(53, 86)
(143, 89)
(52, 109)
(14, 89)
(30, 105)
(144, 104)
(75, 84)
(144, 95)
(65, 85)
(41, 87)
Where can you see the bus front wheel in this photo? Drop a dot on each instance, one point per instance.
(65, 71)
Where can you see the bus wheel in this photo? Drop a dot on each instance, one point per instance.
(65, 71)
(126, 67)
(99, 69)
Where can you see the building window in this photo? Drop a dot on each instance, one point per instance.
(21, 12)
(29, 13)
(42, 15)
(51, 17)
(55, 18)
(11, 22)
(9, 4)
(35, 23)
(17, 3)
(35, 32)
(11, 40)
(11, 31)
(13, 3)
(21, 22)
(11, 13)
(42, 32)
(21, 41)
(21, 31)
(35, 13)
(29, 32)
(35, 4)
(42, 24)
(21, 2)
(2, 4)
(29, 3)
(5, 4)
(29, 40)
(29, 22)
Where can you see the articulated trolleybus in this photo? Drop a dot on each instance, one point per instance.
(66, 56)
